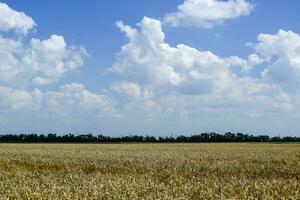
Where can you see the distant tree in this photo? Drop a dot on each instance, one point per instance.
(90, 138)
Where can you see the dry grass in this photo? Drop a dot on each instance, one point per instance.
(150, 171)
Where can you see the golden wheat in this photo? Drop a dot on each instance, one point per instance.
(150, 171)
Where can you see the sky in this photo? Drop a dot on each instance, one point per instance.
(151, 67)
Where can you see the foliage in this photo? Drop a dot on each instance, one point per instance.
(90, 138)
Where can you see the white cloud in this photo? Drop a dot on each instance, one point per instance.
(50, 59)
(139, 102)
(132, 90)
(136, 56)
(148, 59)
(9, 64)
(11, 20)
(244, 66)
(70, 100)
(42, 62)
(207, 13)
(73, 100)
(25, 66)
(206, 83)
(19, 99)
(281, 54)
(158, 84)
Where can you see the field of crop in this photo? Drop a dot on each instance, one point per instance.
(150, 171)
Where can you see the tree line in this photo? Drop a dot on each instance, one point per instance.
(90, 138)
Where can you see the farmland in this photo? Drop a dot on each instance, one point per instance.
(150, 171)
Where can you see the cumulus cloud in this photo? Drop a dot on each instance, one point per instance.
(185, 81)
(19, 99)
(11, 20)
(139, 101)
(207, 13)
(134, 56)
(281, 54)
(73, 100)
(50, 59)
(148, 59)
(42, 62)
(244, 66)
(29, 63)
(132, 90)
(158, 83)
(39, 62)
(70, 100)
(9, 64)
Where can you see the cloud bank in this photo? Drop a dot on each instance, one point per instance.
(188, 74)
(158, 85)
(26, 67)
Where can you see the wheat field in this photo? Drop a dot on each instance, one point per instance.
(150, 171)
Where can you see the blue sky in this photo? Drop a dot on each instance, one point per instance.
(67, 67)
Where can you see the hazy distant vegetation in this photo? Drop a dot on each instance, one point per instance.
(90, 138)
